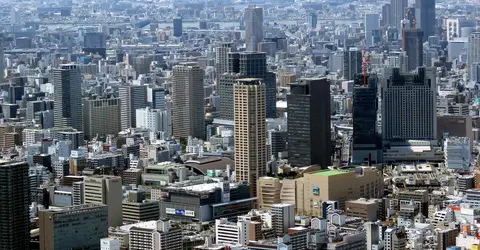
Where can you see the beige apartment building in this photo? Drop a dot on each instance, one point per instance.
(250, 131)
(309, 191)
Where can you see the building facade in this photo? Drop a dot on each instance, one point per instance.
(67, 81)
(254, 33)
(101, 117)
(106, 190)
(132, 97)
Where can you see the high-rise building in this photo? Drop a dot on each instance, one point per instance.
(308, 121)
(132, 97)
(425, 17)
(372, 22)
(141, 64)
(283, 218)
(386, 15)
(101, 117)
(156, 120)
(188, 101)
(414, 48)
(155, 235)
(156, 98)
(246, 65)
(221, 59)
(409, 103)
(250, 131)
(37, 106)
(398, 8)
(473, 49)
(446, 238)
(14, 201)
(177, 27)
(76, 227)
(106, 190)
(253, 27)
(94, 40)
(67, 82)
(352, 63)
(366, 142)
(312, 20)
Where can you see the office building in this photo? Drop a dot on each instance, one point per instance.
(398, 8)
(156, 98)
(374, 235)
(329, 185)
(446, 238)
(155, 235)
(14, 202)
(67, 82)
(95, 43)
(312, 20)
(414, 48)
(177, 27)
(409, 105)
(155, 120)
(221, 58)
(366, 140)
(78, 197)
(274, 191)
(283, 218)
(457, 153)
(372, 22)
(250, 137)
(141, 64)
(367, 210)
(473, 49)
(232, 232)
(352, 63)
(395, 239)
(188, 101)
(454, 125)
(109, 244)
(106, 190)
(425, 17)
(132, 97)
(37, 106)
(136, 208)
(246, 65)
(309, 114)
(76, 227)
(386, 15)
(254, 33)
(101, 117)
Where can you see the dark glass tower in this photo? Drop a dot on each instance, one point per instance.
(414, 48)
(352, 63)
(425, 16)
(246, 65)
(309, 123)
(14, 201)
(366, 141)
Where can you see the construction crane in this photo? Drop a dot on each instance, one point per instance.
(413, 25)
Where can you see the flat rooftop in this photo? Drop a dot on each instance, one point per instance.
(329, 172)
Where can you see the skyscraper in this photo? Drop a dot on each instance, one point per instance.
(366, 143)
(188, 101)
(106, 190)
(312, 20)
(132, 97)
(308, 121)
(409, 105)
(425, 17)
(101, 117)
(246, 65)
(352, 63)
(250, 131)
(386, 15)
(67, 82)
(253, 27)
(221, 59)
(177, 27)
(473, 49)
(372, 22)
(14, 201)
(414, 48)
(398, 8)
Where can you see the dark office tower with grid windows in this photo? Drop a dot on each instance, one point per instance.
(246, 65)
(366, 139)
(177, 27)
(308, 121)
(14, 202)
(67, 81)
(414, 48)
(425, 17)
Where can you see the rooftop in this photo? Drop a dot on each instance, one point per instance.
(329, 172)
